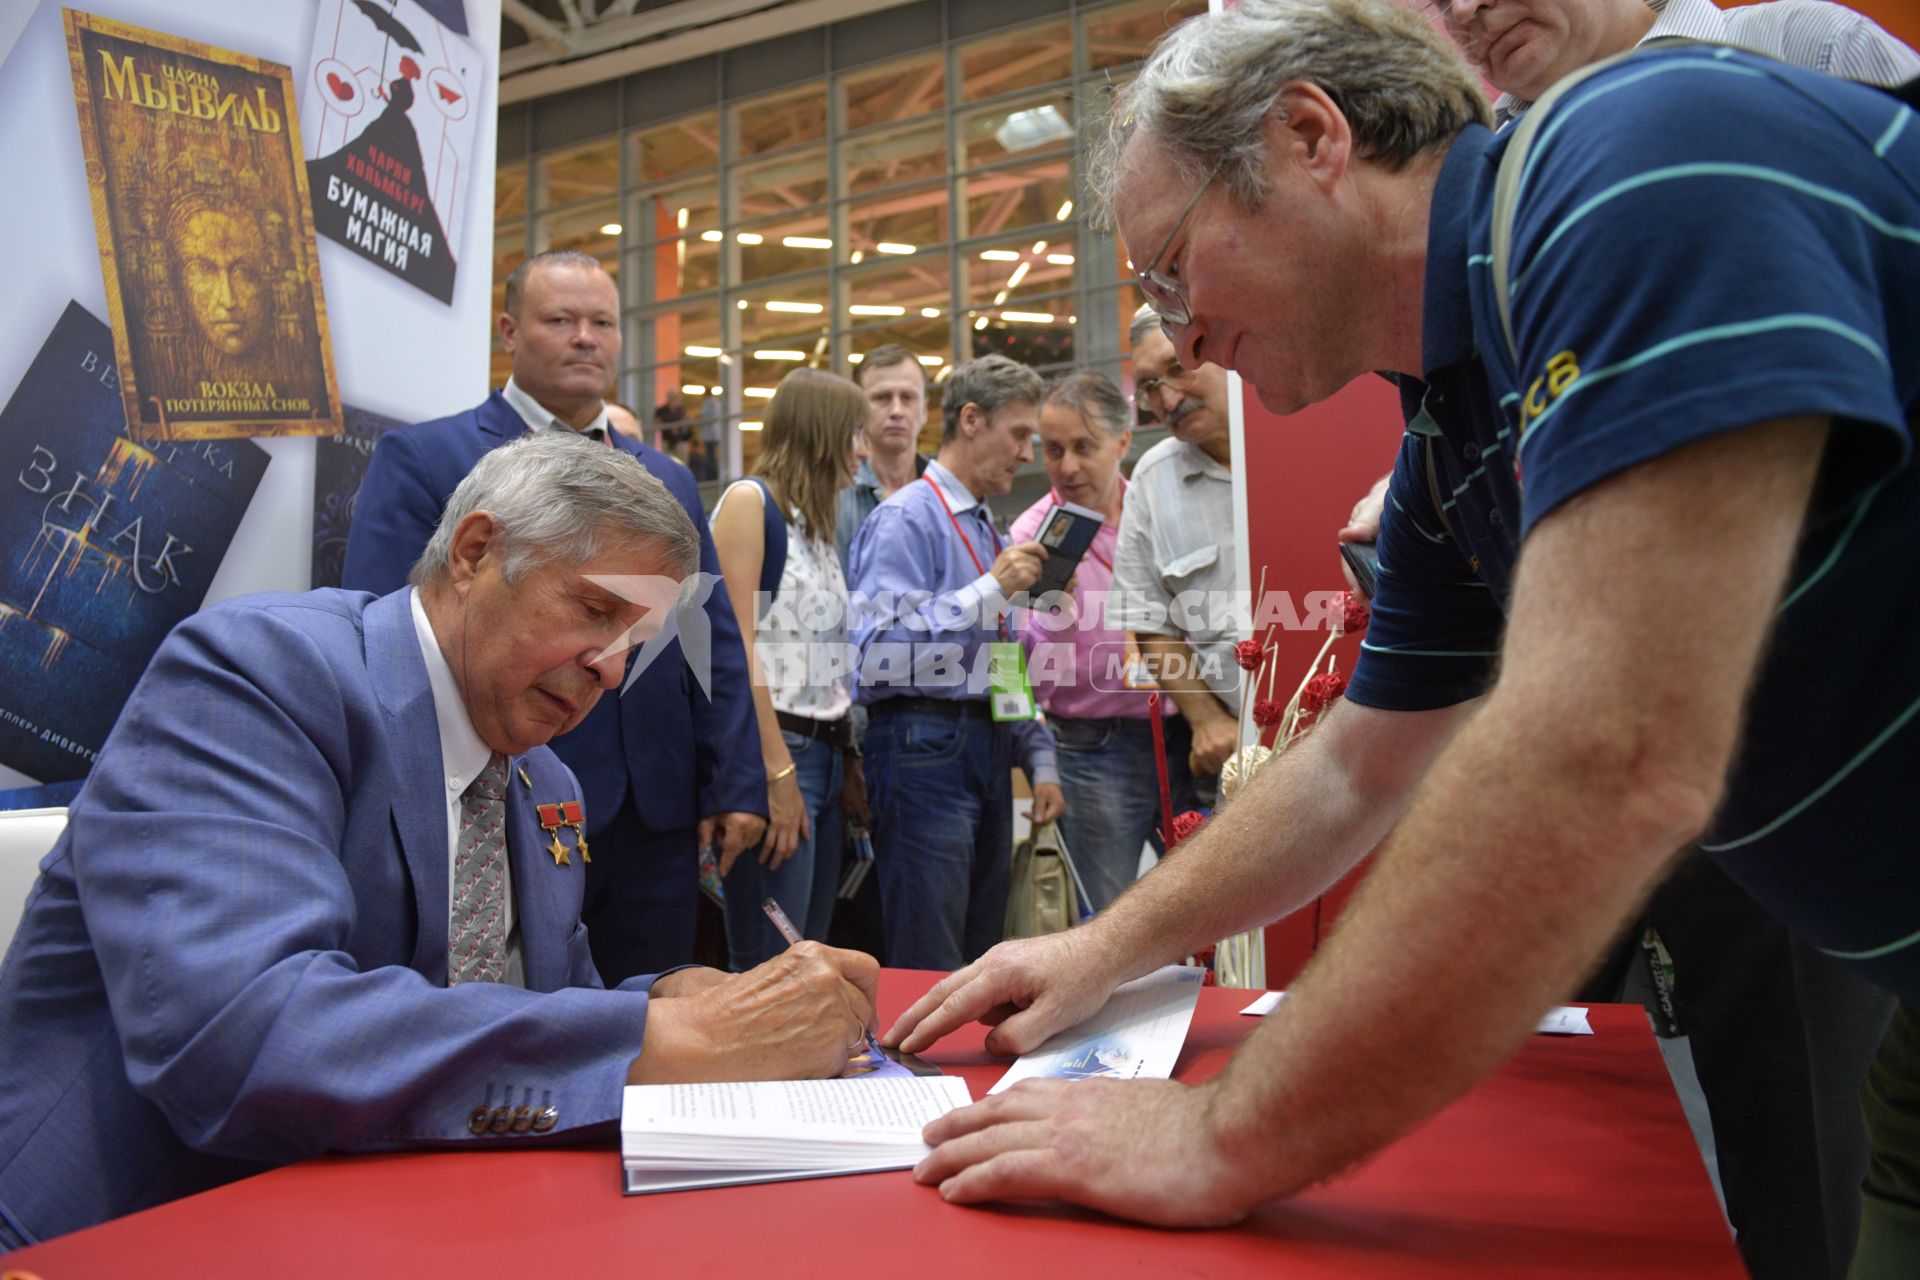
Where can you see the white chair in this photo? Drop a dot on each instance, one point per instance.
(25, 837)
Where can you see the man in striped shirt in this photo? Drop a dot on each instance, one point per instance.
(1704, 445)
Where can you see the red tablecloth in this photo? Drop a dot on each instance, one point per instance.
(1574, 1161)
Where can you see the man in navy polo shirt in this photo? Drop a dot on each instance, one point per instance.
(1672, 519)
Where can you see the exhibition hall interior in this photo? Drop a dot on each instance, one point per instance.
(1063, 634)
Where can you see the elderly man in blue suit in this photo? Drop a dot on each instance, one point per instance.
(321, 891)
(662, 769)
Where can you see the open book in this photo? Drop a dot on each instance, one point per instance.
(676, 1136)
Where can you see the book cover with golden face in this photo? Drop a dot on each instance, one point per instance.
(206, 236)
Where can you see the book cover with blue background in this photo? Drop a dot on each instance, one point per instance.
(105, 544)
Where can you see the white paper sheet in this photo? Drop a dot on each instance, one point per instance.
(1561, 1020)
(1137, 1035)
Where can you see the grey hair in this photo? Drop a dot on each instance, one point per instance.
(1209, 85)
(517, 279)
(1146, 321)
(555, 494)
(1094, 397)
(991, 383)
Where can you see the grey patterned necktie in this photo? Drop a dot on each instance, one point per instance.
(477, 933)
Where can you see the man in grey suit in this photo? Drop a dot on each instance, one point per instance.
(322, 890)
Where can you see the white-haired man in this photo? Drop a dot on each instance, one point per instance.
(322, 889)
(1702, 479)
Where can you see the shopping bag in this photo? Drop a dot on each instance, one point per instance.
(1046, 895)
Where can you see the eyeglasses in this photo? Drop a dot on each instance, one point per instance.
(1147, 390)
(1167, 296)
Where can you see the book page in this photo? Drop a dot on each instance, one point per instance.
(1137, 1035)
(794, 1108)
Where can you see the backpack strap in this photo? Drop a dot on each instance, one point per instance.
(773, 562)
(1513, 164)
(773, 558)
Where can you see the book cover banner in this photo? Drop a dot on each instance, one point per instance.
(392, 128)
(339, 465)
(206, 236)
(105, 544)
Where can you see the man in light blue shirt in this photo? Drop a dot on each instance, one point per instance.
(933, 582)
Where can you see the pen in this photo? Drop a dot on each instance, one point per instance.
(792, 935)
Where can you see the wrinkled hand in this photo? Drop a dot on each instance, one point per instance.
(787, 821)
(853, 791)
(1049, 802)
(1213, 741)
(1018, 567)
(1140, 1149)
(799, 1016)
(686, 982)
(1025, 990)
(1363, 524)
(731, 834)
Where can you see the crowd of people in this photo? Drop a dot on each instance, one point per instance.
(1647, 358)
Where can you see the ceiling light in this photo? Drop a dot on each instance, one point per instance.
(706, 353)
(758, 393)
(692, 389)
(1066, 209)
(680, 219)
(855, 358)
(981, 323)
(806, 242)
(712, 237)
(856, 255)
(609, 228)
(931, 360)
(749, 237)
(999, 297)
(1039, 246)
(1034, 127)
(743, 304)
(999, 255)
(931, 313)
(798, 308)
(1028, 317)
(889, 246)
(776, 353)
(1019, 274)
(865, 309)
(1060, 259)
(749, 426)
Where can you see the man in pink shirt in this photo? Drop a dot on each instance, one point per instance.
(1079, 664)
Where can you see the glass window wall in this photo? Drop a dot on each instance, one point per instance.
(927, 200)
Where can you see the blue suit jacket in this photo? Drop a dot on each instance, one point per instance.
(235, 957)
(677, 753)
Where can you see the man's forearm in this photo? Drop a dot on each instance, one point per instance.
(1513, 869)
(1302, 822)
(1174, 668)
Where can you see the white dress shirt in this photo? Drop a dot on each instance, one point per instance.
(537, 418)
(462, 756)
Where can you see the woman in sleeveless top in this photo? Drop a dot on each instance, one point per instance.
(794, 621)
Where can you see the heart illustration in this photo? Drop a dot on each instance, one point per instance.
(342, 89)
(409, 68)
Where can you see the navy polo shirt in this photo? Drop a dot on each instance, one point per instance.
(1705, 240)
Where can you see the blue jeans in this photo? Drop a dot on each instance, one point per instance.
(805, 884)
(940, 789)
(1113, 794)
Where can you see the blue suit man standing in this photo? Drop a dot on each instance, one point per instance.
(656, 765)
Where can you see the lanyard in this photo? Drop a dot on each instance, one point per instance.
(958, 531)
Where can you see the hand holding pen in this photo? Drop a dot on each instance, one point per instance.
(862, 1057)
